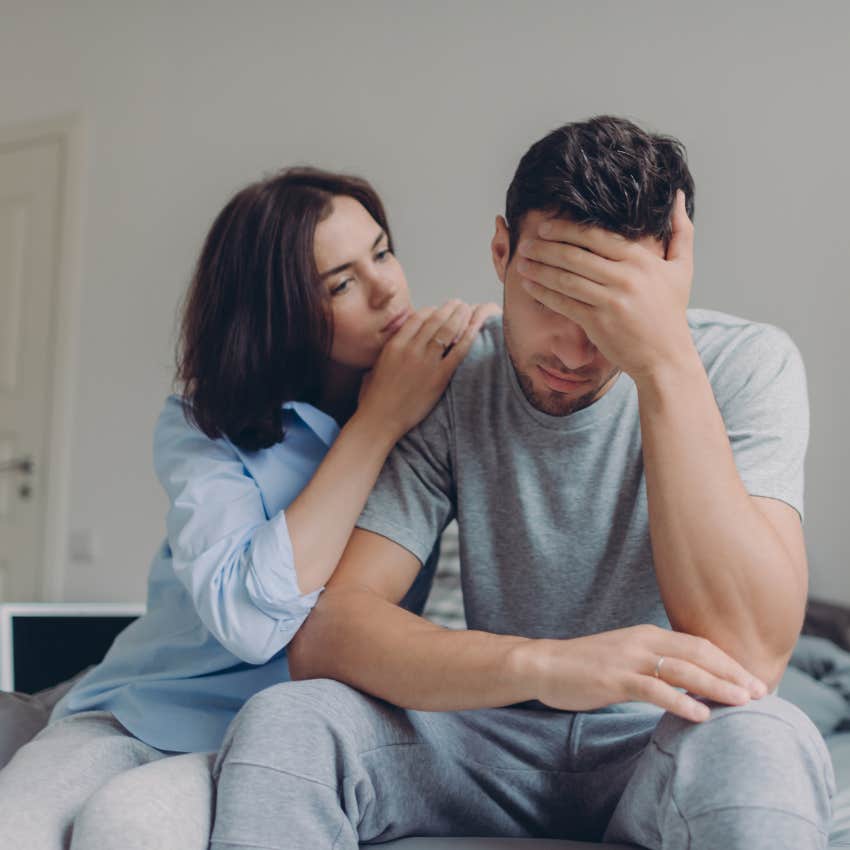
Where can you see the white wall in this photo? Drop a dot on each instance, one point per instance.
(435, 102)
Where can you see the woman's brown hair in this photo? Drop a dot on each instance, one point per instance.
(256, 329)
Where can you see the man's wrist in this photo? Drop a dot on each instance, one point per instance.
(669, 375)
(526, 668)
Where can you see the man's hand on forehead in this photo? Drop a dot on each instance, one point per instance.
(630, 301)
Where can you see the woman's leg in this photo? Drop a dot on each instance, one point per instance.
(167, 804)
(45, 785)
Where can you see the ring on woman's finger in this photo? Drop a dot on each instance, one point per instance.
(446, 346)
(658, 664)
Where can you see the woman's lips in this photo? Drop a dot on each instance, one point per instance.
(559, 384)
(396, 322)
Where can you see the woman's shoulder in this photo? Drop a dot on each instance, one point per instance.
(175, 422)
(182, 451)
(174, 413)
(175, 426)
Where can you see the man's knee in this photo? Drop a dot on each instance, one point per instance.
(291, 705)
(766, 753)
(767, 725)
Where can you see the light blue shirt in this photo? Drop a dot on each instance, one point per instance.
(223, 600)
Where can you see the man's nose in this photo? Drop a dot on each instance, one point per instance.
(572, 346)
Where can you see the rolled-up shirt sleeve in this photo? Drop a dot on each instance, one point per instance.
(235, 562)
(271, 578)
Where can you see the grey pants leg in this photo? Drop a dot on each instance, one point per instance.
(44, 786)
(755, 777)
(164, 805)
(316, 764)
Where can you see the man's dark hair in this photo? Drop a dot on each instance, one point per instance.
(605, 172)
(256, 327)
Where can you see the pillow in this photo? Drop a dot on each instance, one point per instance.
(23, 716)
(824, 705)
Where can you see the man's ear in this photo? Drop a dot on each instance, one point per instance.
(500, 247)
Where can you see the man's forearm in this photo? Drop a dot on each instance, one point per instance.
(723, 571)
(357, 637)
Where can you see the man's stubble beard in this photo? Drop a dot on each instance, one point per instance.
(553, 403)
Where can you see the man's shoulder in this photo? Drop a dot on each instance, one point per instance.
(484, 357)
(724, 336)
(738, 353)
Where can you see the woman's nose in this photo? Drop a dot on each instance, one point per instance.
(384, 287)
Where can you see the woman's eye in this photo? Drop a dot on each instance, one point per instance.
(341, 287)
(382, 255)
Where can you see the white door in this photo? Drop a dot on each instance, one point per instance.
(30, 195)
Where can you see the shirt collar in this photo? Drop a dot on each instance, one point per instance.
(322, 425)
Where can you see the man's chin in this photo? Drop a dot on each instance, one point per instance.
(560, 404)
(554, 403)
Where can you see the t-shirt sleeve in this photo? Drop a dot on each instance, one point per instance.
(414, 497)
(760, 387)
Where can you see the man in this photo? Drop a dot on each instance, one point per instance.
(617, 465)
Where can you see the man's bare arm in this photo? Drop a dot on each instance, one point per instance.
(730, 567)
(358, 635)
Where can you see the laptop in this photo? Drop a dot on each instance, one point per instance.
(42, 644)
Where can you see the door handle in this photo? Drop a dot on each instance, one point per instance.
(21, 465)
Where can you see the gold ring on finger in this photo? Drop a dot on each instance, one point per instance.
(658, 664)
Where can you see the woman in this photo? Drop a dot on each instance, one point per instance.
(267, 459)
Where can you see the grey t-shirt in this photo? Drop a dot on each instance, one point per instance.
(552, 511)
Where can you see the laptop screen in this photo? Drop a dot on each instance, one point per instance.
(42, 645)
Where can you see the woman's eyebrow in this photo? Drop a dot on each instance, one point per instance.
(348, 265)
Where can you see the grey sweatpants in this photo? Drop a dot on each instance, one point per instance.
(86, 783)
(316, 765)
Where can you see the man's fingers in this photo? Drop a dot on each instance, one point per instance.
(565, 282)
(650, 689)
(571, 308)
(681, 245)
(601, 242)
(570, 258)
(683, 674)
(703, 653)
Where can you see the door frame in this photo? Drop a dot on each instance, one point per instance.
(70, 132)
